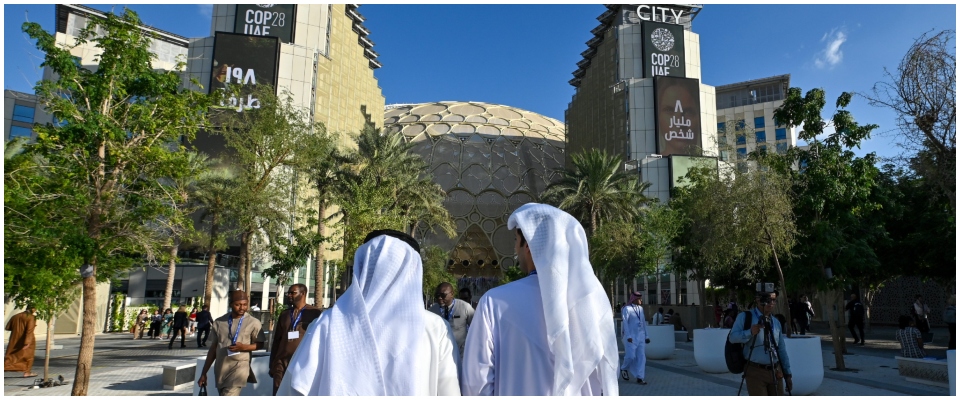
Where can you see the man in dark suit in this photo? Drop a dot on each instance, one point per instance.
(204, 318)
(179, 327)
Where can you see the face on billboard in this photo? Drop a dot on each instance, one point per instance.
(663, 50)
(678, 115)
(243, 61)
(276, 20)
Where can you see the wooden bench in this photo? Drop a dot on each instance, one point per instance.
(928, 372)
(176, 377)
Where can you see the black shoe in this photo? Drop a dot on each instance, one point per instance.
(623, 374)
(182, 346)
(641, 381)
(170, 346)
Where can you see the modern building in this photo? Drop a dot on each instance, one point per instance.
(20, 112)
(320, 54)
(639, 96)
(745, 119)
(490, 159)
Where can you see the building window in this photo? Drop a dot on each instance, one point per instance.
(724, 155)
(758, 122)
(781, 133)
(741, 153)
(742, 167)
(762, 149)
(740, 125)
(741, 140)
(23, 113)
(781, 148)
(19, 131)
(721, 126)
(761, 136)
(722, 140)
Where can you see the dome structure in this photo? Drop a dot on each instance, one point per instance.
(490, 159)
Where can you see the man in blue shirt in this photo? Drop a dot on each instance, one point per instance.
(765, 349)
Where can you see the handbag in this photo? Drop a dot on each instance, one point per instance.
(203, 391)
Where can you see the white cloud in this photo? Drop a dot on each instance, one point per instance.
(831, 55)
(206, 10)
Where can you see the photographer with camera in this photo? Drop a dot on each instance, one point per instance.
(765, 351)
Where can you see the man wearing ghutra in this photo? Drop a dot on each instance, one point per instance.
(377, 339)
(635, 339)
(235, 335)
(551, 333)
(291, 326)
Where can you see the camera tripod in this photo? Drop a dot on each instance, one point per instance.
(771, 348)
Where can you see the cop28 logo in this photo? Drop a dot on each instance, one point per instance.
(662, 39)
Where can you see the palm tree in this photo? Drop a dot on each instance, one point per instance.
(596, 189)
(213, 194)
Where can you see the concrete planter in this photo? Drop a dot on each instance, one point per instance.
(662, 342)
(259, 363)
(952, 370)
(708, 347)
(806, 363)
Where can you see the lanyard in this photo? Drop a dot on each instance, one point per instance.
(449, 312)
(230, 327)
(294, 322)
(636, 310)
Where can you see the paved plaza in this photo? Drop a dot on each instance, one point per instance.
(124, 367)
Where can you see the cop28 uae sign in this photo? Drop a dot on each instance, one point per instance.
(677, 102)
(277, 20)
(243, 61)
(663, 50)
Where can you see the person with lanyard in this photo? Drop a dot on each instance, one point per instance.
(377, 339)
(548, 334)
(291, 326)
(635, 340)
(458, 313)
(765, 350)
(235, 336)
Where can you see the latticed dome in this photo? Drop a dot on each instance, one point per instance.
(490, 159)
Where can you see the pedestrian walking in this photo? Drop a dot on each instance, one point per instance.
(140, 324)
(377, 339)
(857, 313)
(167, 324)
(156, 320)
(180, 320)
(204, 321)
(235, 336)
(550, 333)
(193, 321)
(289, 331)
(22, 346)
(635, 339)
(768, 362)
(458, 313)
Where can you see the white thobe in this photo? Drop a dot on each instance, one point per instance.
(441, 363)
(506, 352)
(635, 328)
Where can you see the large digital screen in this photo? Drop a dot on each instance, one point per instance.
(677, 103)
(277, 20)
(663, 50)
(245, 61)
(681, 165)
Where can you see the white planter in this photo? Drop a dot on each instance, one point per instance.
(662, 342)
(708, 347)
(806, 363)
(952, 370)
(260, 363)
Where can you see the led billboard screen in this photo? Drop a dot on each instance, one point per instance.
(277, 20)
(677, 102)
(244, 61)
(663, 50)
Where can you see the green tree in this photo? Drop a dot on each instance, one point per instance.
(118, 126)
(833, 190)
(213, 194)
(595, 189)
(262, 144)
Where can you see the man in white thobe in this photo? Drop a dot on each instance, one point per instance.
(550, 333)
(635, 339)
(377, 339)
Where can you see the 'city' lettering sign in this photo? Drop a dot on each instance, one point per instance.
(658, 14)
(276, 20)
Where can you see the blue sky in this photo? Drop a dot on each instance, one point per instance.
(523, 55)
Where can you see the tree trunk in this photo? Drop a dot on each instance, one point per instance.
(211, 260)
(244, 246)
(46, 352)
(784, 299)
(318, 266)
(827, 301)
(81, 379)
(171, 274)
(701, 293)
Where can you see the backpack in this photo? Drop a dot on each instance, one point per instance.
(733, 352)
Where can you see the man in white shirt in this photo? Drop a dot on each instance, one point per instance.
(458, 313)
(658, 317)
(377, 340)
(550, 333)
(635, 340)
